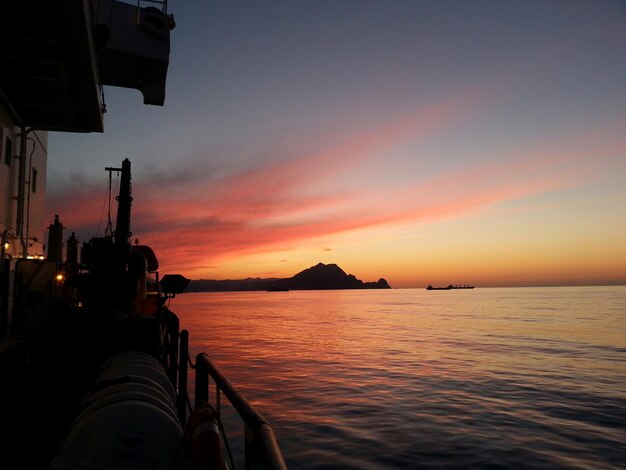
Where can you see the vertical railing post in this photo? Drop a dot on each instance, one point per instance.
(173, 326)
(183, 357)
(252, 451)
(202, 382)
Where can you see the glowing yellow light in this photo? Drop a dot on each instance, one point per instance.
(7, 245)
(59, 277)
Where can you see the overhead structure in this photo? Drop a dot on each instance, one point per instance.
(56, 55)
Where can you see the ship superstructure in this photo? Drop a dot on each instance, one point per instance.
(92, 362)
(55, 59)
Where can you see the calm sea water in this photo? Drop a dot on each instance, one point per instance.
(483, 378)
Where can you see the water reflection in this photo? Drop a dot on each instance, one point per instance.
(408, 378)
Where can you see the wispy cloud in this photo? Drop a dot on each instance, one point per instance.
(194, 217)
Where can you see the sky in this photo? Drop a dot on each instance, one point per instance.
(426, 142)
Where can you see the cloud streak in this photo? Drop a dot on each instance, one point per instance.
(195, 221)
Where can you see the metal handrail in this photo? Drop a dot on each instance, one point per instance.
(261, 445)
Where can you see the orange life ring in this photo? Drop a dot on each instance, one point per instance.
(203, 437)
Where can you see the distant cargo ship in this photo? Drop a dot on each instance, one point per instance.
(450, 287)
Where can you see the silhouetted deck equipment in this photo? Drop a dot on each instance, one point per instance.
(116, 363)
(93, 366)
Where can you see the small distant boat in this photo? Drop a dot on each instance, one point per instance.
(450, 287)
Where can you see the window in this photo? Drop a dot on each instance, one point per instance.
(33, 181)
(8, 150)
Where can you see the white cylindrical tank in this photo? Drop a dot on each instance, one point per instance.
(128, 420)
(136, 366)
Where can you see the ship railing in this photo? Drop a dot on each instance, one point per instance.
(260, 444)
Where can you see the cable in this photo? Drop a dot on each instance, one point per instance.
(104, 201)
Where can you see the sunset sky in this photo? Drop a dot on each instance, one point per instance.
(426, 142)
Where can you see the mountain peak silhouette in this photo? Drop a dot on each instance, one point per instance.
(319, 277)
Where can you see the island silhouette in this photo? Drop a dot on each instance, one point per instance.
(319, 277)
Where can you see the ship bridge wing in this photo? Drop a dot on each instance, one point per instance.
(48, 73)
(55, 55)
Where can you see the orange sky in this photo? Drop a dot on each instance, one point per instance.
(519, 217)
(398, 142)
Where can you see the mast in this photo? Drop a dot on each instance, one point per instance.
(122, 232)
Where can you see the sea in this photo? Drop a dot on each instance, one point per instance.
(410, 378)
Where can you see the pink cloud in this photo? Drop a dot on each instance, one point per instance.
(265, 208)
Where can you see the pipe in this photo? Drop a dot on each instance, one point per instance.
(21, 183)
(183, 360)
(19, 221)
(29, 191)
